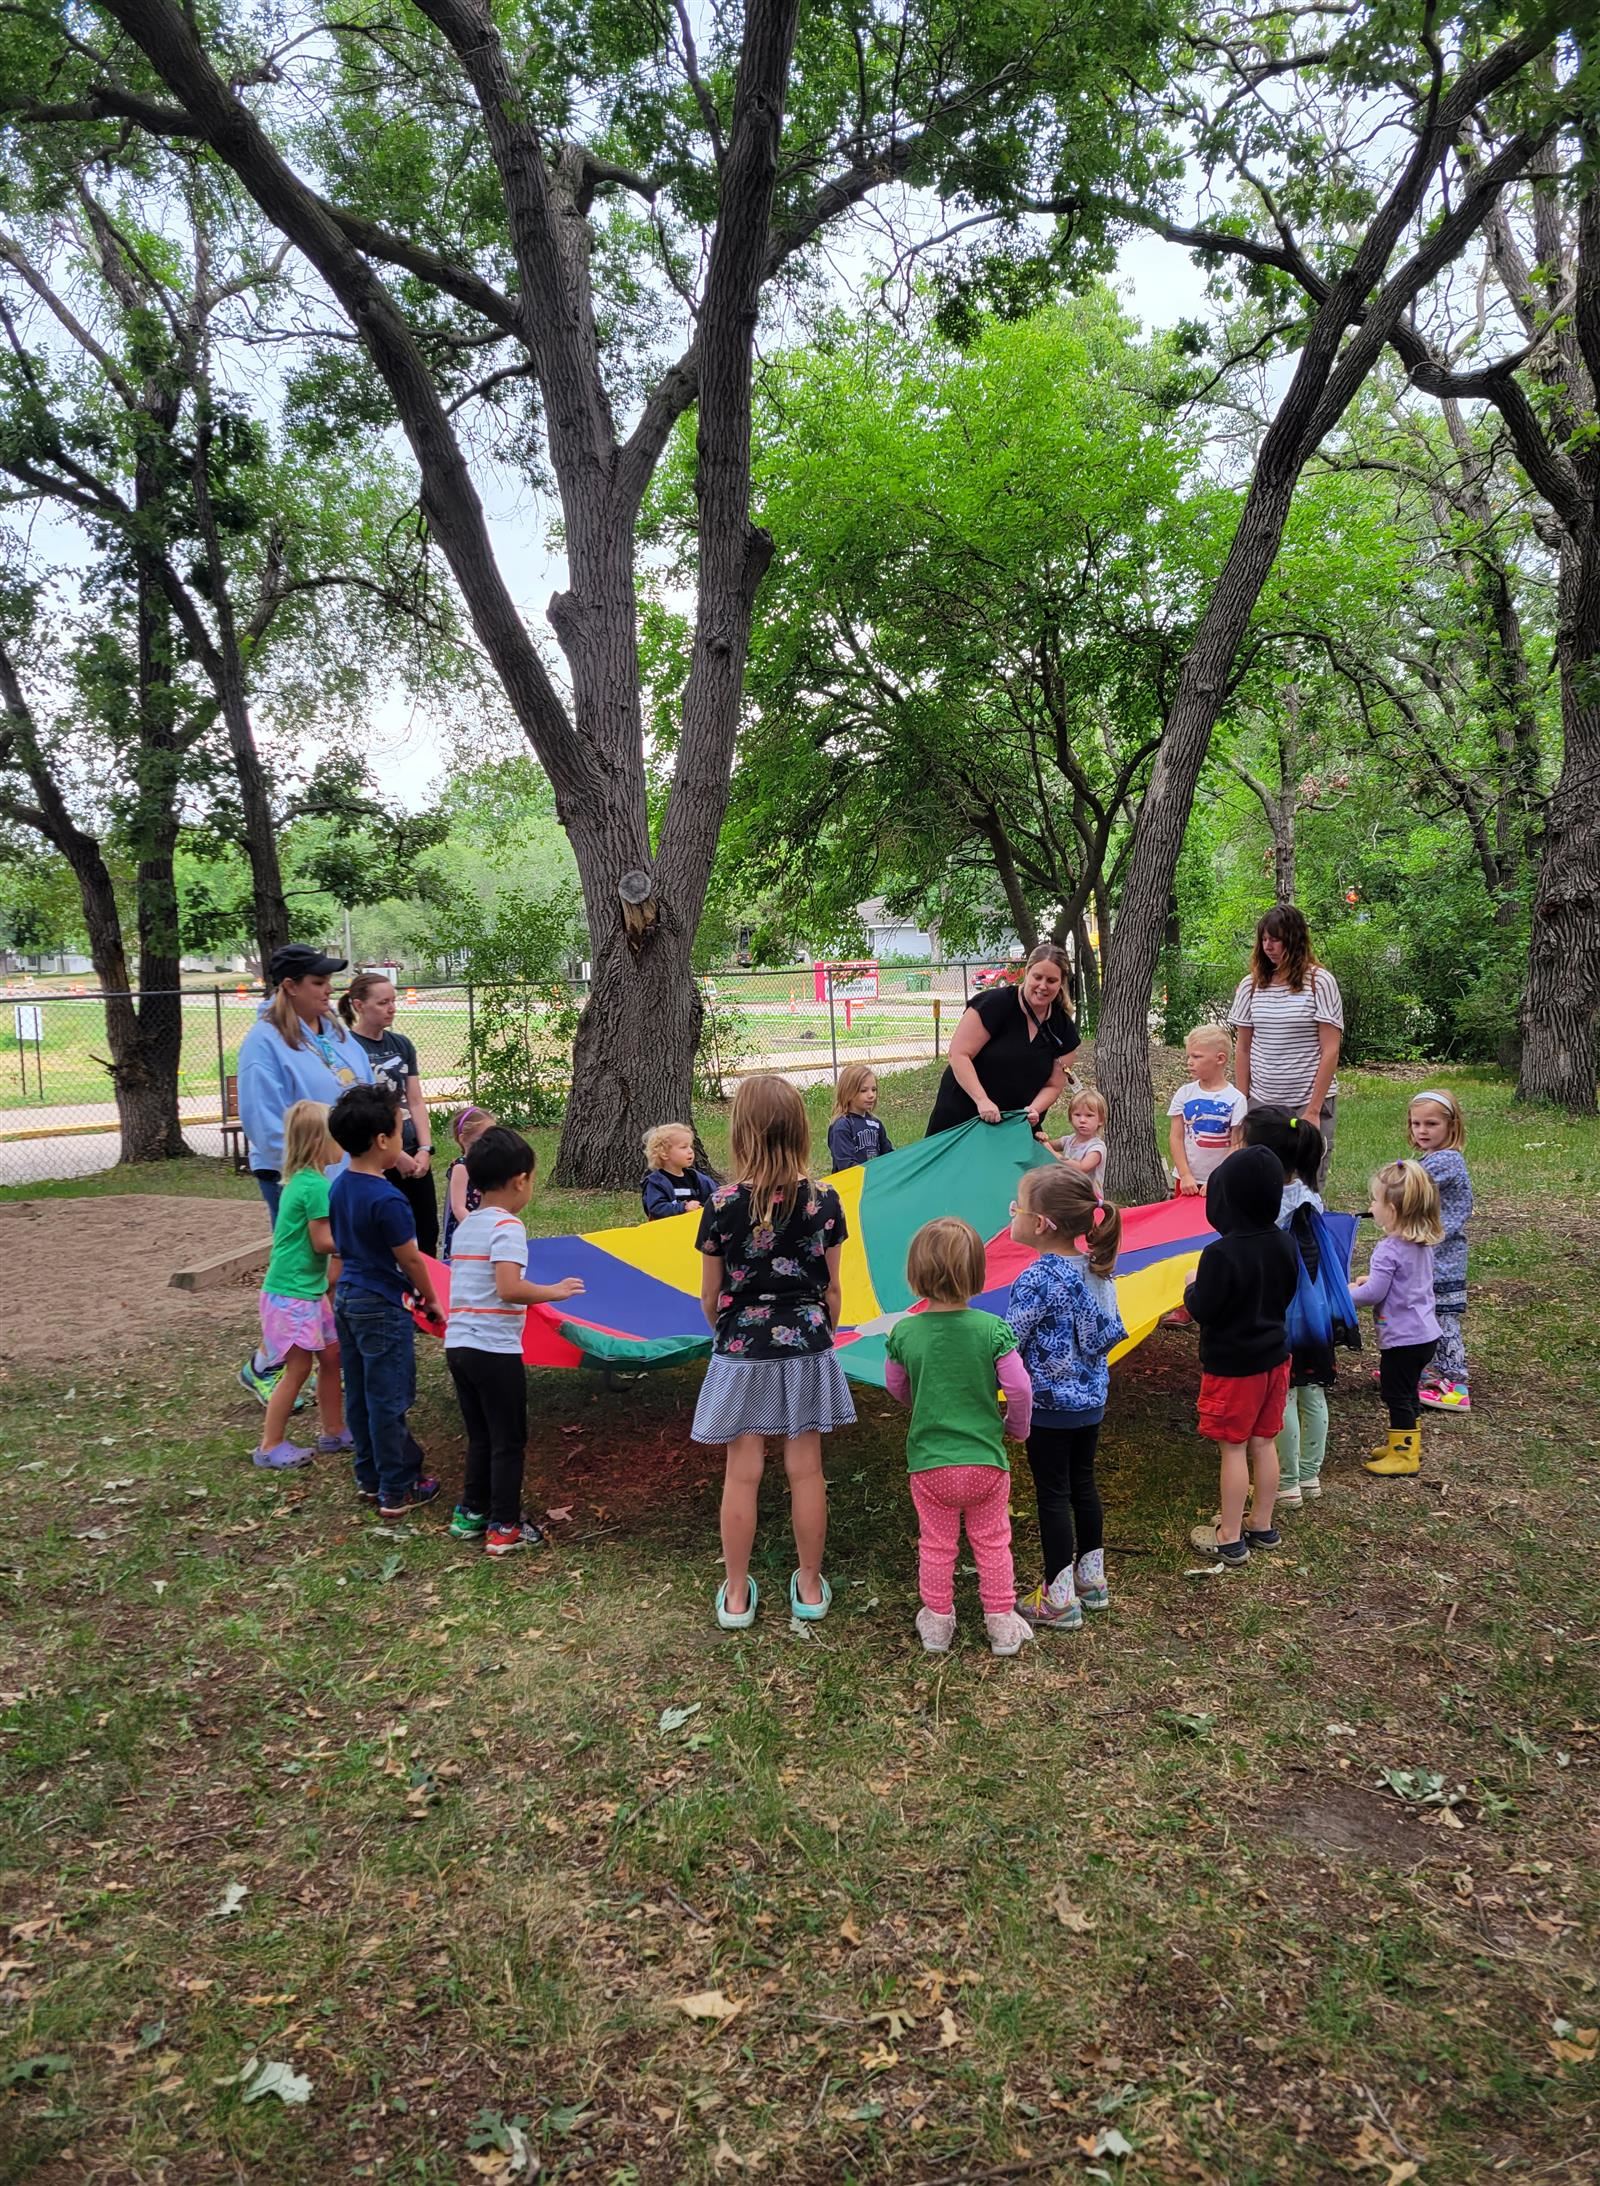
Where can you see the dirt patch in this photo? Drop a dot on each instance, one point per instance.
(1349, 1822)
(82, 1279)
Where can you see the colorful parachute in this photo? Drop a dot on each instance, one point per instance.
(641, 1302)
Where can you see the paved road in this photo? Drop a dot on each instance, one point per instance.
(46, 1159)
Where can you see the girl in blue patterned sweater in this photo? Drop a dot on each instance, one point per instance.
(1438, 1133)
(1064, 1312)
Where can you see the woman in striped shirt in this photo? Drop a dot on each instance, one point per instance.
(1289, 1020)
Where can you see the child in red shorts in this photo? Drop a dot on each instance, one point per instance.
(1239, 1298)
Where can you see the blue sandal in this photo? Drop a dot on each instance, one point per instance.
(809, 1612)
(741, 1620)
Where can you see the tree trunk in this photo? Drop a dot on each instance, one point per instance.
(633, 1060)
(1561, 1004)
(225, 665)
(1330, 373)
(1122, 1041)
(144, 1049)
(1283, 817)
(1558, 1017)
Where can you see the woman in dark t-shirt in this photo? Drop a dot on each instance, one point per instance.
(367, 1007)
(1010, 1049)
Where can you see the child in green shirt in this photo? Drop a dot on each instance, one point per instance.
(296, 1310)
(947, 1363)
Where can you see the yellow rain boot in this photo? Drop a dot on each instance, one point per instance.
(1402, 1454)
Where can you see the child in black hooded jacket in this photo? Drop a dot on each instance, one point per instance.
(1239, 1298)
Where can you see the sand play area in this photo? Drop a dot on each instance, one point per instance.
(92, 1278)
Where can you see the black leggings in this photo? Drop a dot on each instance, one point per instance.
(492, 1391)
(1399, 1372)
(423, 1201)
(1061, 1460)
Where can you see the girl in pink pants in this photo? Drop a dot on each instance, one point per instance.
(947, 1362)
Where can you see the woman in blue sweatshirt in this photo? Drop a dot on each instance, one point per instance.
(296, 1050)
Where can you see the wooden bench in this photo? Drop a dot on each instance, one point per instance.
(233, 1138)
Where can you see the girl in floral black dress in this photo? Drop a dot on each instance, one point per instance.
(770, 1289)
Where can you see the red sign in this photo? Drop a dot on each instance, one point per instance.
(845, 982)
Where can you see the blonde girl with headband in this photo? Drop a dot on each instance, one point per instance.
(770, 1244)
(1438, 1131)
(1064, 1311)
(1399, 1288)
(461, 1196)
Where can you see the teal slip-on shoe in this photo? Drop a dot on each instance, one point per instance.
(809, 1612)
(745, 1617)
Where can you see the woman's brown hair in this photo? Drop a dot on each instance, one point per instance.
(946, 1263)
(769, 1141)
(357, 991)
(1048, 953)
(1066, 1198)
(1283, 923)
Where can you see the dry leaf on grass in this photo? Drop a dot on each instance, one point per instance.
(949, 2032)
(1107, 2142)
(231, 1901)
(894, 2023)
(709, 2004)
(1373, 2153)
(879, 2059)
(849, 1931)
(1574, 2045)
(1071, 1918)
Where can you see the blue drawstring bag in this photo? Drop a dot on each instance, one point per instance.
(1322, 1313)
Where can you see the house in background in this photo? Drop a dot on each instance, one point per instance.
(889, 935)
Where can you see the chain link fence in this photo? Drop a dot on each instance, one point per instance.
(58, 1117)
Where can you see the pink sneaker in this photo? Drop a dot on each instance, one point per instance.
(1008, 1635)
(1445, 1396)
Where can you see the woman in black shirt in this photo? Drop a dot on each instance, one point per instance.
(1010, 1049)
(367, 1007)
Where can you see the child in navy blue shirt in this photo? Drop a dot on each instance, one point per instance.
(1064, 1311)
(855, 1134)
(672, 1184)
(375, 1236)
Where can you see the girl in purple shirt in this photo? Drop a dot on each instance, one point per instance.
(1399, 1288)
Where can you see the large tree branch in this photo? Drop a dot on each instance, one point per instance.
(467, 287)
(553, 264)
(1444, 241)
(450, 499)
(733, 554)
(13, 255)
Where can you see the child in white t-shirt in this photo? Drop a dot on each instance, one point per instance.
(1207, 1113)
(489, 1299)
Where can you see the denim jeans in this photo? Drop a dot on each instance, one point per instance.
(378, 1357)
(269, 1182)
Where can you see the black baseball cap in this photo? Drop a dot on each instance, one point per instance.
(298, 961)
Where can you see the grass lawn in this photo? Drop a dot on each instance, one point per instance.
(1287, 1875)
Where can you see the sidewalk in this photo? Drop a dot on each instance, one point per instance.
(40, 1145)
